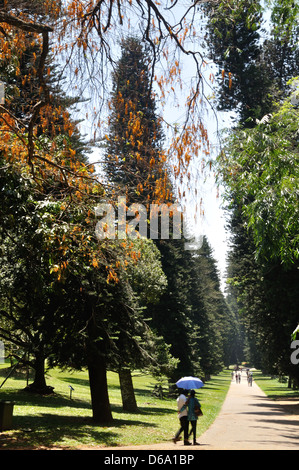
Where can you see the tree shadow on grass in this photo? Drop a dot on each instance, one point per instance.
(146, 410)
(209, 387)
(54, 400)
(275, 393)
(50, 431)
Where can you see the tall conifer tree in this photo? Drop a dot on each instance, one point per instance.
(133, 157)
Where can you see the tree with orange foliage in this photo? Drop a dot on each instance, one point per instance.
(83, 35)
(25, 29)
(84, 39)
(134, 159)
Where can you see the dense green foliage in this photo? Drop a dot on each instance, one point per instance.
(259, 169)
(264, 164)
(196, 325)
(234, 45)
(199, 323)
(57, 300)
(67, 298)
(254, 64)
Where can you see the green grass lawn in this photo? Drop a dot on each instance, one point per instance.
(274, 388)
(58, 421)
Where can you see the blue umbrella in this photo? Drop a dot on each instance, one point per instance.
(189, 383)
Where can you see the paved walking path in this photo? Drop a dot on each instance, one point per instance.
(248, 420)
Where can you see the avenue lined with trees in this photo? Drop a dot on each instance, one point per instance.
(70, 300)
(258, 167)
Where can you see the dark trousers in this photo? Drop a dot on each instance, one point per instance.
(193, 429)
(183, 428)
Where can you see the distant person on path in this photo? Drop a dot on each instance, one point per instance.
(249, 379)
(183, 417)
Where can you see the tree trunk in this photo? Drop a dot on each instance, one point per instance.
(97, 370)
(39, 384)
(127, 390)
(101, 411)
(39, 377)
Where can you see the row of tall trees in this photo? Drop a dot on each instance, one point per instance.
(197, 318)
(67, 298)
(259, 168)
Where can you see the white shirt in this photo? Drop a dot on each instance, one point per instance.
(181, 401)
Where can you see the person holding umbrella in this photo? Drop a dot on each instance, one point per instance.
(192, 405)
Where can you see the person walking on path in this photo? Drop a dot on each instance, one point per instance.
(247, 420)
(192, 403)
(183, 417)
(249, 379)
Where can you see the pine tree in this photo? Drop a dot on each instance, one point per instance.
(170, 317)
(133, 162)
(254, 66)
(135, 168)
(234, 44)
(22, 91)
(133, 157)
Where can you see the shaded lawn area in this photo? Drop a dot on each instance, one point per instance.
(56, 421)
(274, 388)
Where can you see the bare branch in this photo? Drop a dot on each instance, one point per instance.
(24, 25)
